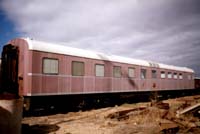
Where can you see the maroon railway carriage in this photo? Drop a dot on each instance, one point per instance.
(35, 68)
(197, 82)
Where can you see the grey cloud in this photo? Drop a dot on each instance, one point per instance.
(162, 31)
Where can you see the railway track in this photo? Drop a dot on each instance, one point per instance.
(72, 103)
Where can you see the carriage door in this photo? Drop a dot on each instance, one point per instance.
(9, 68)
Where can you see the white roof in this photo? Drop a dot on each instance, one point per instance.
(61, 49)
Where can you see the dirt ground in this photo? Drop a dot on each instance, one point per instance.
(164, 117)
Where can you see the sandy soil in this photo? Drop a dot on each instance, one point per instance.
(139, 118)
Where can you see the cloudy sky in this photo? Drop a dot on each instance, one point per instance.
(166, 31)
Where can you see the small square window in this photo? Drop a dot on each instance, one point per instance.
(77, 68)
(154, 74)
(131, 72)
(189, 77)
(99, 70)
(169, 75)
(175, 76)
(143, 74)
(117, 71)
(162, 75)
(50, 66)
(180, 76)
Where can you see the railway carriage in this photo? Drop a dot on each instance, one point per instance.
(197, 82)
(33, 68)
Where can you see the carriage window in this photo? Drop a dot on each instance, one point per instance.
(77, 68)
(180, 76)
(50, 66)
(131, 72)
(175, 76)
(153, 74)
(143, 74)
(117, 71)
(169, 75)
(99, 70)
(162, 75)
(189, 77)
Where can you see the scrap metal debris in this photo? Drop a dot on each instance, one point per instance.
(168, 127)
(124, 114)
(140, 118)
(194, 109)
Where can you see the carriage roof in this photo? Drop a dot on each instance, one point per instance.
(66, 50)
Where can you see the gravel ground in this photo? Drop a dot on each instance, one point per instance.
(139, 118)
